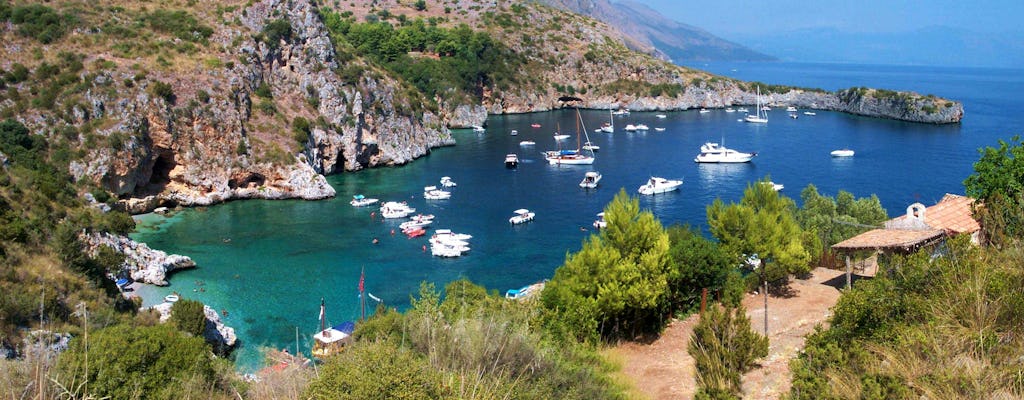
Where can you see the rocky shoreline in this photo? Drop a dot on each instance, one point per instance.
(141, 262)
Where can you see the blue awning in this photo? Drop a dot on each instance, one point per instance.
(122, 282)
(347, 327)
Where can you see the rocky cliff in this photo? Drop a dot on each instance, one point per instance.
(141, 262)
(165, 107)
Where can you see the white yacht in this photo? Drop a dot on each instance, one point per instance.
(447, 250)
(713, 153)
(527, 143)
(842, 153)
(433, 193)
(600, 223)
(591, 146)
(415, 224)
(704, 111)
(361, 201)
(608, 127)
(621, 112)
(743, 110)
(642, 127)
(812, 113)
(730, 110)
(590, 180)
(446, 235)
(659, 129)
(630, 128)
(572, 157)
(478, 128)
(791, 109)
(775, 186)
(657, 185)
(511, 161)
(561, 137)
(662, 116)
(447, 182)
(522, 215)
(514, 132)
(392, 209)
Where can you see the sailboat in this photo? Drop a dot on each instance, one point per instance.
(759, 118)
(608, 127)
(572, 157)
(331, 340)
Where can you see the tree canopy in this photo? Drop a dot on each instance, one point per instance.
(998, 181)
(622, 273)
(832, 220)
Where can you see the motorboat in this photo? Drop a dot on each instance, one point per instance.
(433, 193)
(392, 209)
(361, 201)
(842, 153)
(561, 137)
(621, 112)
(657, 185)
(600, 223)
(791, 109)
(810, 113)
(522, 216)
(730, 110)
(527, 143)
(478, 128)
(590, 180)
(630, 128)
(766, 108)
(422, 217)
(742, 110)
(447, 234)
(447, 250)
(704, 111)
(514, 132)
(535, 125)
(659, 129)
(662, 116)
(713, 153)
(642, 127)
(414, 232)
(171, 298)
(511, 161)
(794, 116)
(775, 186)
(591, 146)
(762, 116)
(447, 182)
(415, 224)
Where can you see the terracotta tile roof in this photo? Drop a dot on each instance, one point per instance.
(876, 239)
(952, 214)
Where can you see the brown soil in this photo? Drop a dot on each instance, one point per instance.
(662, 369)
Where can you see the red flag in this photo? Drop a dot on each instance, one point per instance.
(362, 279)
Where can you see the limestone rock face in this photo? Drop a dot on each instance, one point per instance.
(221, 336)
(141, 262)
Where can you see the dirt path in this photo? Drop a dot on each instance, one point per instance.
(663, 369)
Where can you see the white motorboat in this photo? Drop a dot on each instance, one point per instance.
(766, 108)
(842, 153)
(172, 298)
(478, 128)
(661, 116)
(657, 185)
(621, 112)
(522, 215)
(642, 127)
(514, 132)
(762, 116)
(447, 182)
(361, 201)
(809, 113)
(591, 146)
(415, 224)
(511, 161)
(742, 110)
(600, 223)
(572, 157)
(659, 129)
(794, 116)
(447, 250)
(730, 110)
(704, 111)
(775, 186)
(629, 128)
(791, 109)
(590, 180)
(447, 234)
(527, 143)
(713, 153)
(561, 137)
(393, 209)
(433, 193)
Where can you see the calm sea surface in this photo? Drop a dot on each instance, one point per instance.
(283, 256)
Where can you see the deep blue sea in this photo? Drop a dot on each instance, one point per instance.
(283, 256)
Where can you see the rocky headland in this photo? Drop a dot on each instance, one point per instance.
(264, 100)
(141, 262)
(220, 336)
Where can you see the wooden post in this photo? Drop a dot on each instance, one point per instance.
(849, 272)
(703, 300)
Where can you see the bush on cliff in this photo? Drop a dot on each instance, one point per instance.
(188, 317)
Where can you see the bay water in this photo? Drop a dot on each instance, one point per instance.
(268, 263)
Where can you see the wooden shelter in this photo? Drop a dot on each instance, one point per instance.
(920, 227)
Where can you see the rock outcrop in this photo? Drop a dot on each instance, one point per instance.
(142, 263)
(221, 336)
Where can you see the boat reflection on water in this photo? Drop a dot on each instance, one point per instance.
(712, 175)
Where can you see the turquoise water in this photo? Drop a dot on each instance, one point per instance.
(268, 263)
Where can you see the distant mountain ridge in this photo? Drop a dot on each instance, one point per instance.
(650, 32)
(934, 45)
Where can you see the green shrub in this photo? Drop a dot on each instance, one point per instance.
(263, 90)
(377, 371)
(188, 317)
(724, 347)
(40, 22)
(162, 90)
(274, 32)
(179, 23)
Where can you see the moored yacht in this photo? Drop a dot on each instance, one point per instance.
(600, 223)
(392, 209)
(842, 153)
(657, 185)
(590, 180)
(361, 201)
(522, 215)
(447, 182)
(433, 193)
(713, 153)
(511, 161)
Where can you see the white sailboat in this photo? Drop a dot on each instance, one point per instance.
(572, 157)
(762, 115)
(608, 127)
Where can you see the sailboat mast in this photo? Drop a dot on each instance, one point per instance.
(578, 146)
(362, 296)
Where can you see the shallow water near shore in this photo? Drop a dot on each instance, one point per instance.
(268, 263)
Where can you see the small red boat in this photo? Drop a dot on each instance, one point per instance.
(415, 232)
(535, 125)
